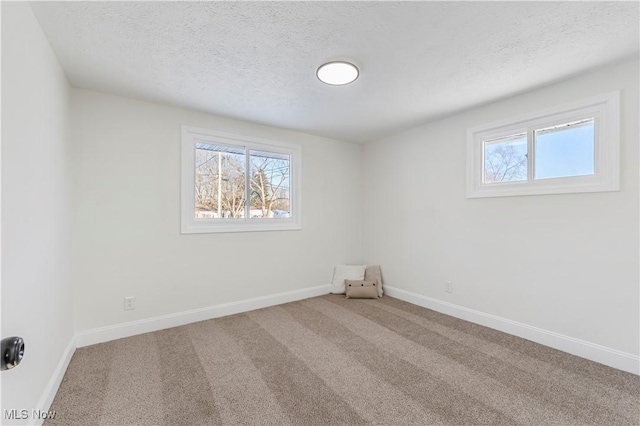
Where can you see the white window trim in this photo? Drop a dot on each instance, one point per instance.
(192, 225)
(606, 109)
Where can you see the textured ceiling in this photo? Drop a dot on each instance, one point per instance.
(256, 61)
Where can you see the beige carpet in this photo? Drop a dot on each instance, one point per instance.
(331, 360)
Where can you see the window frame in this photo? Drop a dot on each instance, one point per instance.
(604, 108)
(189, 224)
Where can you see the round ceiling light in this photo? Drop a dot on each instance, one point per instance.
(337, 73)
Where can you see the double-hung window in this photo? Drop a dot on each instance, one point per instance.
(571, 148)
(234, 183)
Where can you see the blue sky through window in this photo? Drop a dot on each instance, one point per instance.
(565, 151)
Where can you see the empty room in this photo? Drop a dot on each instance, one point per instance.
(305, 213)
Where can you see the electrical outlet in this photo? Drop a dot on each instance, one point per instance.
(129, 303)
(448, 287)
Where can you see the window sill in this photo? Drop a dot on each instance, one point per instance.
(202, 227)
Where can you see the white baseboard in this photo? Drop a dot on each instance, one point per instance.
(54, 383)
(105, 334)
(592, 351)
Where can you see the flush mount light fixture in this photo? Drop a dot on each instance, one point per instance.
(337, 73)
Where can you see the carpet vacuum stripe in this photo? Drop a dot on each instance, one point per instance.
(335, 361)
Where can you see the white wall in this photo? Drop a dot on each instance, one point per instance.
(127, 241)
(564, 263)
(36, 209)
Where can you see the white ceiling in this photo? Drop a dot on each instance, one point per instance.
(256, 61)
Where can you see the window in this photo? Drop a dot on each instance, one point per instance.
(233, 183)
(572, 148)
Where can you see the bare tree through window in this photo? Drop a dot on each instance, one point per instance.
(505, 159)
(270, 183)
(220, 183)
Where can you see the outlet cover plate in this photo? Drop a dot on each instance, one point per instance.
(129, 303)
